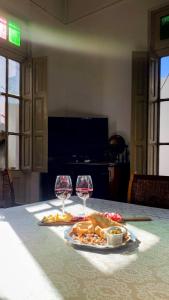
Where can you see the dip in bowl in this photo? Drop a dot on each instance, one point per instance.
(115, 235)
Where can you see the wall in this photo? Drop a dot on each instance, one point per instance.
(79, 8)
(90, 61)
(56, 8)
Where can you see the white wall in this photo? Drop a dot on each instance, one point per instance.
(90, 61)
(79, 8)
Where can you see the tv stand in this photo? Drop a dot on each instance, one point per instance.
(110, 180)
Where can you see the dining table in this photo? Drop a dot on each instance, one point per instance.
(37, 263)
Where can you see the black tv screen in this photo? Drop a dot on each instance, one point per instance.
(77, 139)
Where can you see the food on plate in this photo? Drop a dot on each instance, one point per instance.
(101, 220)
(117, 235)
(100, 232)
(114, 236)
(91, 239)
(95, 230)
(113, 216)
(87, 233)
(82, 228)
(115, 230)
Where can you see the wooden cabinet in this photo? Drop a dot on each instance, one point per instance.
(118, 181)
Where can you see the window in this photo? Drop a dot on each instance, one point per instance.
(164, 117)
(10, 103)
(160, 47)
(23, 114)
(150, 101)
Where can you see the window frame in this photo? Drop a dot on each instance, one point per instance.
(159, 48)
(30, 160)
(159, 115)
(17, 58)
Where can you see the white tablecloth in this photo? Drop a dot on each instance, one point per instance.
(37, 264)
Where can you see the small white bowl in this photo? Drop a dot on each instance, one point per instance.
(115, 239)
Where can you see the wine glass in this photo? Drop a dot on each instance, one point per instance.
(84, 188)
(63, 189)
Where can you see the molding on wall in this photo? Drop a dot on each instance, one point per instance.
(66, 11)
(65, 20)
(62, 20)
(94, 11)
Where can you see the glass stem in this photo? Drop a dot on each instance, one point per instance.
(63, 206)
(84, 206)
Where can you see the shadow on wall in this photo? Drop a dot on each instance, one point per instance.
(65, 112)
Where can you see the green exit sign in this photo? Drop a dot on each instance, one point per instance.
(14, 34)
(164, 27)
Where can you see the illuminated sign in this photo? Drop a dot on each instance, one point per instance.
(14, 34)
(164, 27)
(3, 28)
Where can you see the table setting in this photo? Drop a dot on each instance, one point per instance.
(95, 231)
(40, 262)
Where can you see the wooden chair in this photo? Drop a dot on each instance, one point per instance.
(149, 190)
(7, 190)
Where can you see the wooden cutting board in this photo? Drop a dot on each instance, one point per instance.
(125, 219)
(58, 223)
(137, 219)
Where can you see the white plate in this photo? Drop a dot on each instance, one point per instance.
(77, 243)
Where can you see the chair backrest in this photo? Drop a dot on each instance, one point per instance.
(149, 190)
(7, 194)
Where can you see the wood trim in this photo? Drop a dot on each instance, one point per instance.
(153, 115)
(12, 54)
(130, 188)
(139, 112)
(40, 116)
(156, 44)
(26, 108)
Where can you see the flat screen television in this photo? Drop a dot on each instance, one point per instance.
(77, 139)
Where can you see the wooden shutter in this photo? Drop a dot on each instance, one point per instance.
(40, 125)
(153, 116)
(139, 114)
(26, 123)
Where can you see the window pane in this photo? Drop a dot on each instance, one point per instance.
(2, 74)
(164, 160)
(13, 115)
(2, 113)
(13, 152)
(164, 77)
(164, 123)
(2, 151)
(14, 77)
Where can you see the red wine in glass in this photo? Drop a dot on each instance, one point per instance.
(84, 188)
(63, 188)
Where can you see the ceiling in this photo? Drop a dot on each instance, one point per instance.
(68, 11)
